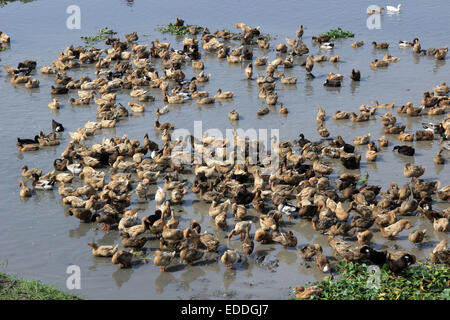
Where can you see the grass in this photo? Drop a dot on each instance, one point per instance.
(12, 288)
(178, 30)
(102, 35)
(423, 281)
(338, 33)
(5, 2)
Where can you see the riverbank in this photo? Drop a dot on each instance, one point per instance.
(12, 288)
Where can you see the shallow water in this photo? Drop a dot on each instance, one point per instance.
(39, 240)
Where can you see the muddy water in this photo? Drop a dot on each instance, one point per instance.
(38, 238)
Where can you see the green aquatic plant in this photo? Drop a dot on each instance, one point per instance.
(178, 30)
(102, 35)
(3, 48)
(423, 281)
(338, 33)
(364, 179)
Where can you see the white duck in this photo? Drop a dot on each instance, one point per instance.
(75, 168)
(287, 209)
(327, 45)
(392, 9)
(160, 195)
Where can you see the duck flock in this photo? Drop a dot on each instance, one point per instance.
(348, 210)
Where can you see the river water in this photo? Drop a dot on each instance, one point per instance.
(38, 238)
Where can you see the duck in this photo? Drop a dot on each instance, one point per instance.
(440, 253)
(357, 44)
(442, 89)
(249, 68)
(25, 192)
(405, 150)
(104, 250)
(137, 108)
(401, 263)
(28, 173)
(239, 211)
(327, 45)
(383, 106)
(322, 167)
(309, 251)
(176, 195)
(54, 104)
(361, 140)
(379, 63)
(371, 155)
(322, 262)
(163, 259)
(376, 257)
(364, 237)
(217, 208)
(424, 135)
(288, 80)
(355, 75)
(417, 236)
(283, 110)
(190, 255)
(123, 258)
(383, 141)
(263, 111)
(287, 239)
(240, 228)
(210, 241)
(387, 57)
(413, 171)
(403, 43)
(395, 228)
(229, 258)
(287, 209)
(392, 9)
(281, 48)
(224, 95)
(341, 115)
(248, 245)
(441, 225)
(41, 183)
(383, 45)
(402, 136)
(444, 193)
(307, 293)
(344, 249)
(233, 115)
(438, 158)
(160, 196)
(260, 61)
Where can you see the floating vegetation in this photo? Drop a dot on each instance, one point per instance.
(338, 33)
(179, 30)
(365, 178)
(102, 35)
(3, 48)
(424, 281)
